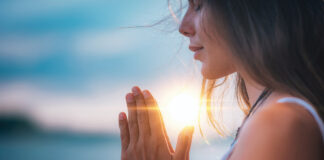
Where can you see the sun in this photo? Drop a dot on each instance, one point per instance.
(182, 109)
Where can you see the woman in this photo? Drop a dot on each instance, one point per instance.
(276, 47)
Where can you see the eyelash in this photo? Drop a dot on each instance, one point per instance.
(197, 7)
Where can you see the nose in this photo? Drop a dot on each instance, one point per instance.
(187, 26)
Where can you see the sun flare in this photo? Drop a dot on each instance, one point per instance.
(182, 109)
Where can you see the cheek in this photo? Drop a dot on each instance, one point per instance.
(216, 58)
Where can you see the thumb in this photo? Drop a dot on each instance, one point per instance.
(183, 143)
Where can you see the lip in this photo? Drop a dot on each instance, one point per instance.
(197, 50)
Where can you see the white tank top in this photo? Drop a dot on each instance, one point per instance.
(301, 103)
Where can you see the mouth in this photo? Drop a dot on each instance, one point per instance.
(195, 48)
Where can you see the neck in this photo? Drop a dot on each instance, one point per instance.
(253, 89)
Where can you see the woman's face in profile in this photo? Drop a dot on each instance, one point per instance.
(209, 48)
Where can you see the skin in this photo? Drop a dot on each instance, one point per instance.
(281, 131)
(216, 62)
(143, 134)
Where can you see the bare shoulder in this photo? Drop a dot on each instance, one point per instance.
(280, 131)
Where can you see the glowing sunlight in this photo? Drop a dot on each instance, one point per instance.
(182, 109)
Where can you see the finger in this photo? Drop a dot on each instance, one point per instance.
(154, 114)
(189, 145)
(155, 118)
(132, 118)
(142, 115)
(182, 143)
(124, 132)
(166, 134)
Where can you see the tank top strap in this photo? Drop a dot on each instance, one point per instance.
(309, 108)
(229, 151)
(302, 103)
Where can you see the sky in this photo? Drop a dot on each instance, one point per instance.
(69, 64)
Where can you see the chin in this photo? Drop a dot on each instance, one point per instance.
(209, 73)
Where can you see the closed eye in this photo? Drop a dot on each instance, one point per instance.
(196, 4)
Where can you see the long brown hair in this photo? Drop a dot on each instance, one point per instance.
(280, 44)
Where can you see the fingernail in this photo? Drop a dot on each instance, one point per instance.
(122, 116)
(146, 94)
(129, 97)
(136, 90)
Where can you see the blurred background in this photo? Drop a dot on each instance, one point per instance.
(66, 66)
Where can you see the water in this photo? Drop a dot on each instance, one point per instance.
(68, 146)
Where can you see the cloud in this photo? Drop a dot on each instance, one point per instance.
(103, 43)
(94, 111)
(26, 49)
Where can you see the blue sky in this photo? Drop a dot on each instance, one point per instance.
(69, 40)
(66, 59)
(69, 64)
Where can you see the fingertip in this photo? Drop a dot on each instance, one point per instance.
(122, 116)
(191, 129)
(188, 131)
(129, 97)
(136, 90)
(146, 94)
